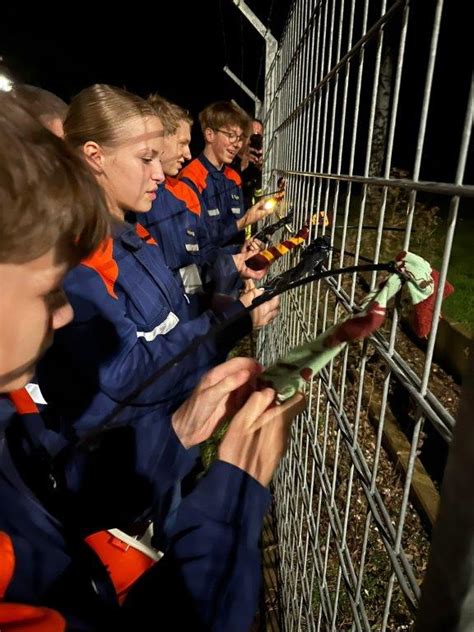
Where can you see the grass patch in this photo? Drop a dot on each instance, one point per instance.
(459, 307)
(427, 240)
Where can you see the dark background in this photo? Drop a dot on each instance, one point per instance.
(176, 48)
(179, 49)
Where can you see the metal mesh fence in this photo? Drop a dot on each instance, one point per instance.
(352, 114)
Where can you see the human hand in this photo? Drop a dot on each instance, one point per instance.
(255, 156)
(264, 313)
(248, 285)
(244, 271)
(219, 394)
(252, 245)
(255, 213)
(257, 437)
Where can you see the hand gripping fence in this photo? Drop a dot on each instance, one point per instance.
(401, 268)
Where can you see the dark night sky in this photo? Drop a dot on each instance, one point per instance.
(179, 49)
(175, 48)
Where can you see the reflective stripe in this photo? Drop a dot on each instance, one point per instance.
(35, 393)
(140, 544)
(191, 279)
(163, 328)
(213, 212)
(235, 210)
(192, 247)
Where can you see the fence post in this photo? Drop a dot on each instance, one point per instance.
(447, 601)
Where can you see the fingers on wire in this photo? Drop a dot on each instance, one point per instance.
(280, 413)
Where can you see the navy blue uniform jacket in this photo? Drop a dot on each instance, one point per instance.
(130, 318)
(211, 568)
(177, 222)
(221, 192)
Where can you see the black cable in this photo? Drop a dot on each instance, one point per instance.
(111, 420)
(374, 267)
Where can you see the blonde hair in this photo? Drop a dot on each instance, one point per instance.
(100, 114)
(169, 113)
(48, 195)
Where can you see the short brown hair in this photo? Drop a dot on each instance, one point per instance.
(48, 195)
(42, 104)
(169, 113)
(222, 113)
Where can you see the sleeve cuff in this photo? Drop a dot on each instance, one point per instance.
(167, 457)
(229, 232)
(226, 276)
(242, 326)
(176, 458)
(230, 495)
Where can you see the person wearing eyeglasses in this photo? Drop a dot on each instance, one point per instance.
(225, 129)
(50, 580)
(176, 223)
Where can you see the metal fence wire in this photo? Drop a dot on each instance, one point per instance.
(354, 114)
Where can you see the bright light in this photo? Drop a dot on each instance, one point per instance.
(269, 204)
(6, 84)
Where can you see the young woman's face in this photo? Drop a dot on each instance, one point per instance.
(33, 306)
(132, 170)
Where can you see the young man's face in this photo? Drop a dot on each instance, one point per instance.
(225, 143)
(32, 306)
(176, 149)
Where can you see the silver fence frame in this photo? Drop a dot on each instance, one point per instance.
(320, 119)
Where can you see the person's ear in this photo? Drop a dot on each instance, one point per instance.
(209, 135)
(94, 155)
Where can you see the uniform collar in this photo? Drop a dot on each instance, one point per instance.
(7, 411)
(128, 236)
(209, 166)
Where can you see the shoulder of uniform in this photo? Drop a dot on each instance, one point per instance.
(101, 256)
(23, 402)
(184, 192)
(144, 234)
(232, 174)
(103, 262)
(196, 172)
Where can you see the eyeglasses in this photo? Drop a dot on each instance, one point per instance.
(232, 136)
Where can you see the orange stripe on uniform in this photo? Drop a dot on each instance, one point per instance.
(102, 261)
(197, 173)
(7, 562)
(22, 401)
(144, 234)
(231, 174)
(17, 617)
(182, 192)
